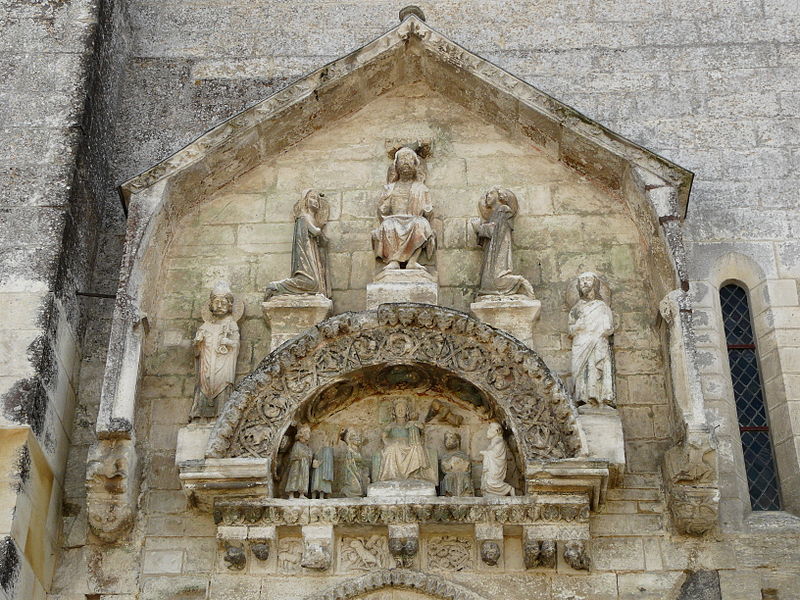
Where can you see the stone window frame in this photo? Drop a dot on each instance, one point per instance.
(768, 294)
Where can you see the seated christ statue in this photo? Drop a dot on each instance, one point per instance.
(403, 209)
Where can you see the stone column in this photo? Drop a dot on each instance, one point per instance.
(514, 315)
(402, 285)
(289, 315)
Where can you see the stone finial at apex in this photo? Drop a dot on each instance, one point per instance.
(409, 10)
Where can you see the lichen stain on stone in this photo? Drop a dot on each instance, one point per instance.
(22, 467)
(41, 355)
(26, 403)
(9, 564)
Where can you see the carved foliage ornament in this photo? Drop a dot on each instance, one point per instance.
(533, 400)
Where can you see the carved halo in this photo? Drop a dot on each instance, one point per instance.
(526, 395)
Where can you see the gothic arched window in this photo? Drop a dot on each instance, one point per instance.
(759, 462)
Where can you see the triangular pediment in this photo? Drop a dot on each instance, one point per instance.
(410, 52)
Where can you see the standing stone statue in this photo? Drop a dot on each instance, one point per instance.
(403, 209)
(498, 207)
(309, 257)
(404, 455)
(493, 478)
(590, 325)
(300, 457)
(216, 347)
(353, 475)
(322, 473)
(456, 466)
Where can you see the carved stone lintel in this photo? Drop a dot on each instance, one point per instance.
(576, 555)
(690, 474)
(513, 314)
(317, 547)
(111, 488)
(290, 315)
(404, 543)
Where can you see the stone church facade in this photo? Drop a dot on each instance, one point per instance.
(360, 300)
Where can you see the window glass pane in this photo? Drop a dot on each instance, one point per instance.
(736, 315)
(753, 424)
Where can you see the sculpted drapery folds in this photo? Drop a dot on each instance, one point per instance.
(403, 209)
(493, 478)
(300, 457)
(309, 256)
(404, 455)
(216, 347)
(498, 207)
(591, 323)
(354, 478)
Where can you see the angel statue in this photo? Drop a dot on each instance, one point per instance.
(309, 256)
(216, 347)
(403, 210)
(498, 207)
(591, 323)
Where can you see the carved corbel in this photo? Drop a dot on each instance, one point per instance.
(535, 551)
(111, 488)
(317, 547)
(490, 538)
(576, 555)
(690, 474)
(231, 543)
(262, 540)
(404, 543)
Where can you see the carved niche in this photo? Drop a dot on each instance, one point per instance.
(500, 375)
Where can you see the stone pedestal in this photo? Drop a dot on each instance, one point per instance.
(403, 489)
(192, 441)
(289, 315)
(402, 285)
(512, 314)
(604, 437)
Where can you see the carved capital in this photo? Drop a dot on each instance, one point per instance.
(111, 488)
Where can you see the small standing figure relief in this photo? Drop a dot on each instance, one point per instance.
(322, 472)
(404, 455)
(309, 256)
(300, 457)
(498, 207)
(456, 466)
(354, 478)
(216, 347)
(591, 323)
(494, 464)
(404, 209)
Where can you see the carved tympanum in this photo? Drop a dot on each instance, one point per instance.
(591, 323)
(521, 390)
(309, 257)
(498, 207)
(403, 209)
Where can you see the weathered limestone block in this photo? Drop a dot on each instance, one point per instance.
(192, 441)
(111, 488)
(317, 547)
(205, 481)
(290, 315)
(604, 437)
(690, 474)
(402, 285)
(513, 314)
(404, 543)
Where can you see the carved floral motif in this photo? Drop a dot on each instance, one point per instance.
(263, 405)
(449, 553)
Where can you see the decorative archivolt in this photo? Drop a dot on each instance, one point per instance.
(432, 585)
(522, 391)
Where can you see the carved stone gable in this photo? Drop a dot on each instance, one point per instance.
(517, 385)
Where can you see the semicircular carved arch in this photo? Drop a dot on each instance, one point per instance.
(431, 585)
(524, 392)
